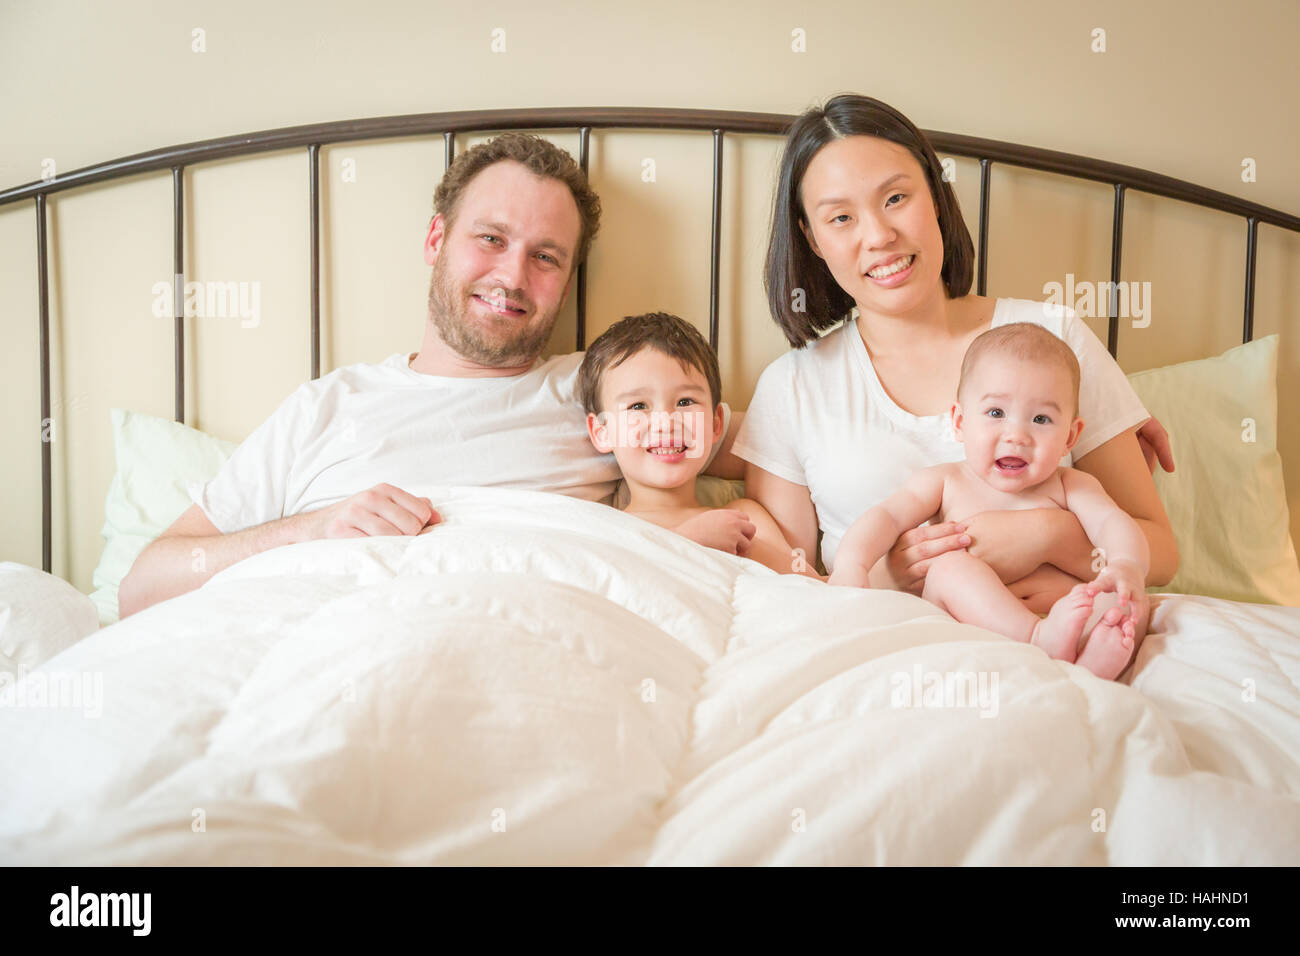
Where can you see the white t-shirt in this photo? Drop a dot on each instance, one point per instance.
(820, 418)
(365, 424)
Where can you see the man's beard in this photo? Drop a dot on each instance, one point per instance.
(449, 310)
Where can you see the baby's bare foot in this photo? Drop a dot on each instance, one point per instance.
(1110, 643)
(1059, 632)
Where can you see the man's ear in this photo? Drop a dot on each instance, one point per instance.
(597, 431)
(1076, 429)
(433, 240)
(807, 234)
(955, 413)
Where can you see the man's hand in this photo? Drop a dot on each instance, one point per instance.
(909, 559)
(1009, 542)
(381, 510)
(722, 528)
(1154, 442)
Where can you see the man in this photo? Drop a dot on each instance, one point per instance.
(343, 455)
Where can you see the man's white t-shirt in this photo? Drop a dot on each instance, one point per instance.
(365, 424)
(821, 418)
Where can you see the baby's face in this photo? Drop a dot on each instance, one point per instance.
(656, 419)
(1017, 421)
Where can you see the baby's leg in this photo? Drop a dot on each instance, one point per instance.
(1113, 638)
(970, 591)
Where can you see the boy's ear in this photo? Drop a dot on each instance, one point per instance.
(954, 412)
(598, 432)
(1076, 429)
(719, 421)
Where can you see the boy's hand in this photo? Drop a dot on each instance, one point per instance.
(1128, 582)
(722, 528)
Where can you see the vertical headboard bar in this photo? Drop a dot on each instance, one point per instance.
(178, 286)
(448, 148)
(716, 245)
(1248, 323)
(313, 177)
(43, 296)
(1116, 251)
(584, 135)
(983, 272)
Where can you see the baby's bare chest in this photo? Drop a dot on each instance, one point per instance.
(963, 497)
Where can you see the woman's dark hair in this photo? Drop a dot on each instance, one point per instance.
(792, 264)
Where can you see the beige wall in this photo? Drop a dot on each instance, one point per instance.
(1186, 89)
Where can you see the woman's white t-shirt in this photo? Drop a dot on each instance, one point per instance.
(820, 418)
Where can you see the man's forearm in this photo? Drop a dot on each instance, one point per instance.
(177, 564)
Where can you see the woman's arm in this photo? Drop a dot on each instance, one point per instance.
(725, 464)
(790, 506)
(1122, 470)
(769, 546)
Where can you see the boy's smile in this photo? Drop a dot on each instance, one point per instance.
(656, 419)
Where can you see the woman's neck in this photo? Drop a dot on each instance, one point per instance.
(937, 320)
(645, 498)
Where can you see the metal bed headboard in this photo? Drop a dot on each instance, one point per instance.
(719, 122)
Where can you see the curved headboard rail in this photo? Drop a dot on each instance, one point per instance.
(584, 120)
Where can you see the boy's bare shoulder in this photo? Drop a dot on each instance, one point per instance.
(935, 474)
(749, 506)
(1074, 480)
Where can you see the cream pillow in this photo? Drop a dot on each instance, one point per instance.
(156, 457)
(40, 615)
(1226, 499)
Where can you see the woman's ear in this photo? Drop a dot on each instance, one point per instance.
(807, 234)
(597, 431)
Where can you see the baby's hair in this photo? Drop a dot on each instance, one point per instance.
(673, 336)
(1023, 340)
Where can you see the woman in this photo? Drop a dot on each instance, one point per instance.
(863, 218)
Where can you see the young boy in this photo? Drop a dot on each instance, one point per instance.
(1017, 414)
(653, 395)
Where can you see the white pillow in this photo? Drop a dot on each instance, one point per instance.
(156, 458)
(40, 615)
(1226, 499)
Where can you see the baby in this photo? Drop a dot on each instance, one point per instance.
(653, 395)
(1017, 414)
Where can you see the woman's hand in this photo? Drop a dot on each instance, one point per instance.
(1154, 441)
(909, 559)
(1012, 543)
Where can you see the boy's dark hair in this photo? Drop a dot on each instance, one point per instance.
(669, 334)
(791, 264)
(543, 159)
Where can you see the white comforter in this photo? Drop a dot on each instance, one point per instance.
(544, 680)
